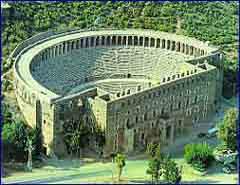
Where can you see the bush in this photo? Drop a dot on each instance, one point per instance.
(198, 155)
(171, 172)
(154, 166)
(14, 137)
(228, 129)
(120, 161)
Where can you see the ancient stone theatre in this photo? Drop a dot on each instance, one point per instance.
(138, 86)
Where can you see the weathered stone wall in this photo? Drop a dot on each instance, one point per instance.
(162, 112)
(68, 110)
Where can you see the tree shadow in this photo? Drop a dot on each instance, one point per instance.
(201, 182)
(64, 178)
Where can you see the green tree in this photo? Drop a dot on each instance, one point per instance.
(153, 150)
(171, 172)
(228, 129)
(154, 167)
(199, 155)
(120, 162)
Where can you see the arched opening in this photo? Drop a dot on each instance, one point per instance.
(128, 124)
(81, 43)
(92, 41)
(108, 41)
(141, 41)
(103, 41)
(173, 45)
(183, 48)
(136, 120)
(86, 43)
(130, 40)
(97, 41)
(135, 40)
(168, 44)
(152, 43)
(124, 40)
(114, 40)
(163, 43)
(178, 46)
(158, 43)
(146, 41)
(119, 39)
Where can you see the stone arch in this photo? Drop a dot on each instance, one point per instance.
(140, 41)
(163, 43)
(146, 41)
(191, 50)
(64, 48)
(173, 46)
(187, 49)
(158, 43)
(77, 44)
(119, 40)
(130, 40)
(124, 40)
(92, 41)
(72, 45)
(86, 42)
(97, 41)
(168, 44)
(136, 119)
(103, 41)
(114, 40)
(183, 48)
(198, 52)
(59, 49)
(152, 42)
(81, 43)
(135, 41)
(68, 46)
(128, 125)
(178, 46)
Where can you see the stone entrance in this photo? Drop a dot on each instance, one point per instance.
(129, 140)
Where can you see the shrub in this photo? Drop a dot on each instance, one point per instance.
(171, 172)
(228, 130)
(198, 155)
(14, 137)
(120, 162)
(154, 166)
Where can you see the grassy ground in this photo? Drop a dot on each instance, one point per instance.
(75, 171)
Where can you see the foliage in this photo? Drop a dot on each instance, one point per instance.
(228, 129)
(208, 21)
(154, 167)
(199, 155)
(171, 172)
(120, 162)
(7, 114)
(15, 136)
(75, 136)
(153, 150)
